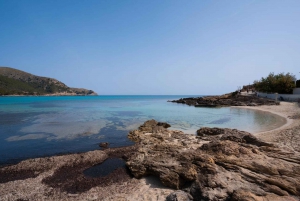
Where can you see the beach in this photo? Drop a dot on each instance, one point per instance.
(287, 135)
(34, 182)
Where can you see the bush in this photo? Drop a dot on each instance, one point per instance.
(281, 83)
(235, 93)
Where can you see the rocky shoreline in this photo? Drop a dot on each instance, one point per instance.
(60, 177)
(215, 164)
(226, 100)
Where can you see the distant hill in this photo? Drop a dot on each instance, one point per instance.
(17, 82)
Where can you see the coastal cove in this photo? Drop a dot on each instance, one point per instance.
(38, 126)
(149, 101)
(64, 177)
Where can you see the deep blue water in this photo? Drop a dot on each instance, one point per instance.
(43, 126)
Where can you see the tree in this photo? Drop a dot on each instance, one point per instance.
(281, 83)
(298, 83)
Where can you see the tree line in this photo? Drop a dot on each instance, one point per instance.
(282, 83)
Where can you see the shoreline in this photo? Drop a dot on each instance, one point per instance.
(43, 185)
(286, 136)
(285, 110)
(273, 110)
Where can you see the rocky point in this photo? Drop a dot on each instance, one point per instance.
(226, 100)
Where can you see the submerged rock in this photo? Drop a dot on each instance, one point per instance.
(218, 164)
(104, 144)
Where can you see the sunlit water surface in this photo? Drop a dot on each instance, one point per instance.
(43, 126)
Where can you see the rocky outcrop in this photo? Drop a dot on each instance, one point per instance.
(217, 164)
(81, 91)
(225, 100)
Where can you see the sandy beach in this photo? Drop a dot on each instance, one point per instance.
(36, 186)
(287, 135)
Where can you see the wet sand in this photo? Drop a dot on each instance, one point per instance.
(61, 177)
(288, 134)
(284, 110)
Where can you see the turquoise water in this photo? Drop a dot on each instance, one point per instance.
(43, 126)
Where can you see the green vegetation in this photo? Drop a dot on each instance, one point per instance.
(234, 94)
(16, 82)
(280, 83)
(10, 86)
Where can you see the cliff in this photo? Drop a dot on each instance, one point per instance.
(17, 82)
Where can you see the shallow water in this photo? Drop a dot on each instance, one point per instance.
(43, 126)
(105, 168)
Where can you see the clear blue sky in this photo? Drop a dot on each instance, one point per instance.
(151, 47)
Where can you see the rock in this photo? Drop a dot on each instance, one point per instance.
(165, 125)
(63, 178)
(32, 168)
(226, 100)
(218, 164)
(210, 131)
(179, 196)
(242, 195)
(104, 144)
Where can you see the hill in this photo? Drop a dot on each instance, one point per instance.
(17, 82)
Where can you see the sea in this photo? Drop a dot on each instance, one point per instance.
(38, 126)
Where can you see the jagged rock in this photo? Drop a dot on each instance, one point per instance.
(179, 196)
(210, 131)
(218, 164)
(242, 195)
(165, 125)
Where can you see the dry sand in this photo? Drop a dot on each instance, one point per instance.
(130, 189)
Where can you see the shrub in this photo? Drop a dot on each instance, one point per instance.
(281, 83)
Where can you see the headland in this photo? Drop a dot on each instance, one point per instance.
(14, 82)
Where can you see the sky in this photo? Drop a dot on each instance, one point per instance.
(154, 47)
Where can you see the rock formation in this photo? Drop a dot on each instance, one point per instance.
(217, 164)
(226, 100)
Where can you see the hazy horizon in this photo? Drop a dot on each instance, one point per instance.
(151, 47)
